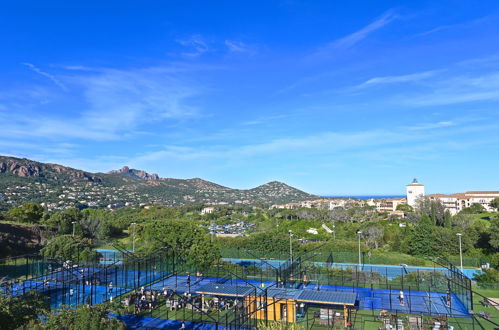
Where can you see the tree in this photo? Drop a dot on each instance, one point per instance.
(186, 238)
(66, 247)
(488, 276)
(82, 318)
(494, 235)
(447, 219)
(463, 221)
(28, 212)
(422, 238)
(434, 209)
(373, 234)
(18, 311)
(474, 208)
(406, 208)
(495, 203)
(339, 214)
(63, 221)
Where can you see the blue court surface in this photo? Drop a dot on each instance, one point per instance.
(143, 322)
(66, 295)
(83, 285)
(415, 302)
(388, 271)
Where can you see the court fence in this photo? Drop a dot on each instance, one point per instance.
(382, 294)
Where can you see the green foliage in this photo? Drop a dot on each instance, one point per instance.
(474, 208)
(488, 276)
(186, 238)
(423, 238)
(16, 312)
(27, 213)
(494, 235)
(373, 234)
(494, 260)
(279, 325)
(447, 219)
(66, 247)
(63, 221)
(83, 318)
(434, 209)
(495, 203)
(406, 208)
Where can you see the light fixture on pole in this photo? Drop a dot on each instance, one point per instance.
(460, 251)
(133, 236)
(360, 260)
(291, 245)
(74, 223)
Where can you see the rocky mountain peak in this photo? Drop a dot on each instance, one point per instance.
(140, 174)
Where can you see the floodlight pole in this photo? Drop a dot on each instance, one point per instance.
(291, 245)
(133, 236)
(460, 251)
(360, 260)
(74, 223)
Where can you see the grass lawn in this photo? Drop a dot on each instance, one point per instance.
(489, 293)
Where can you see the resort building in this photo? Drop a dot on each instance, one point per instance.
(388, 205)
(454, 203)
(414, 191)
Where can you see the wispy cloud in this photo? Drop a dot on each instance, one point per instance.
(427, 126)
(56, 81)
(196, 44)
(239, 47)
(445, 27)
(357, 36)
(408, 78)
(117, 103)
(266, 119)
(456, 89)
(324, 143)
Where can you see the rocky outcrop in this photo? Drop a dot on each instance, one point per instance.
(125, 170)
(26, 168)
(30, 181)
(19, 169)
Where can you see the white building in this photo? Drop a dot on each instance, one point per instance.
(207, 210)
(455, 203)
(414, 191)
(325, 204)
(387, 205)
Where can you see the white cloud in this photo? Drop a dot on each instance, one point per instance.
(414, 77)
(47, 75)
(324, 143)
(117, 103)
(196, 44)
(456, 89)
(354, 38)
(239, 47)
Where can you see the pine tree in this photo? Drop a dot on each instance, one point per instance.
(422, 238)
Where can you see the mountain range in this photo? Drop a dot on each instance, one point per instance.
(58, 187)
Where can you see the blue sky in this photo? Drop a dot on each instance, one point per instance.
(333, 97)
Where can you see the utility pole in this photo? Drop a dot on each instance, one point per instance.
(133, 236)
(74, 223)
(460, 251)
(291, 245)
(360, 260)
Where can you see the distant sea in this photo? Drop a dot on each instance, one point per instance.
(369, 196)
